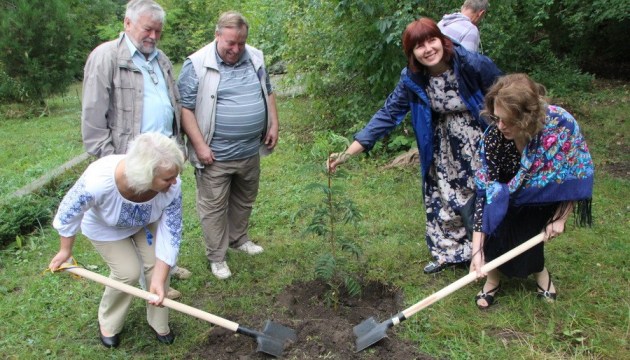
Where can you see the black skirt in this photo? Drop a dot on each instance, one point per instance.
(520, 224)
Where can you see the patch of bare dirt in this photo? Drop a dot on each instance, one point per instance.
(323, 332)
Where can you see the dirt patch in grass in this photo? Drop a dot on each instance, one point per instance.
(323, 332)
(619, 170)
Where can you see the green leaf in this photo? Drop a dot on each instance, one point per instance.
(352, 285)
(325, 266)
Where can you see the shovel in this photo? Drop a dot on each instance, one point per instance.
(370, 331)
(270, 341)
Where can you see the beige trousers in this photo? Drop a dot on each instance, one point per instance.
(126, 259)
(226, 192)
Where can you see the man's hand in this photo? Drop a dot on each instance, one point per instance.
(204, 154)
(271, 140)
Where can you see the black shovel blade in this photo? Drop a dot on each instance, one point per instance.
(273, 338)
(369, 332)
(365, 327)
(279, 332)
(269, 346)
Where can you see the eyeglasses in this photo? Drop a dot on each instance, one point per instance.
(495, 119)
(149, 69)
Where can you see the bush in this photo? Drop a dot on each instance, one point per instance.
(23, 215)
(10, 89)
(37, 47)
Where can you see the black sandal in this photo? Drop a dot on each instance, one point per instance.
(488, 296)
(545, 294)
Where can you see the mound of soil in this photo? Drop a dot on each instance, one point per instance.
(323, 331)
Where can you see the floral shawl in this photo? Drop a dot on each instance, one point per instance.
(556, 166)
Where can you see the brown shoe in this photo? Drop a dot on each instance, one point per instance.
(173, 294)
(181, 273)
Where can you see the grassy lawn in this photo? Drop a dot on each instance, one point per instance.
(54, 316)
(31, 147)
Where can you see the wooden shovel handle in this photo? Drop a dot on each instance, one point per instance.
(473, 276)
(172, 304)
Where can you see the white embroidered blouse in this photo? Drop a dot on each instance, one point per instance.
(96, 206)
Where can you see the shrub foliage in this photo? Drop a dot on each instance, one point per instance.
(37, 47)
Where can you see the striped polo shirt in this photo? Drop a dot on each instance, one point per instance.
(241, 113)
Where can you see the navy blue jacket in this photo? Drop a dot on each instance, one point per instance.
(475, 73)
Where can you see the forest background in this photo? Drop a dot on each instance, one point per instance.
(347, 53)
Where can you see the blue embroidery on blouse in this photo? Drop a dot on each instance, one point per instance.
(74, 202)
(174, 223)
(134, 215)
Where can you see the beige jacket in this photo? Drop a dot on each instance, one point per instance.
(112, 99)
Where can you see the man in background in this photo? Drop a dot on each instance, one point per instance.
(462, 26)
(129, 89)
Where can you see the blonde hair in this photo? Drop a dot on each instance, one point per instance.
(523, 98)
(148, 153)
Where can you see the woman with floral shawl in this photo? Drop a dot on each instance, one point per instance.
(536, 169)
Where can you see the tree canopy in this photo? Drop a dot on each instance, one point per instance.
(348, 53)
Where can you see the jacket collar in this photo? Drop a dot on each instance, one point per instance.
(210, 60)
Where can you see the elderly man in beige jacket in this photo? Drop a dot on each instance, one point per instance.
(129, 89)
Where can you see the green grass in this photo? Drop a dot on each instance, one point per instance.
(54, 316)
(36, 145)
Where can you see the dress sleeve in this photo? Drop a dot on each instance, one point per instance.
(169, 232)
(77, 201)
(500, 162)
(478, 225)
(490, 169)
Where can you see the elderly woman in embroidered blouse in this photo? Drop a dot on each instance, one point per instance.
(536, 169)
(130, 208)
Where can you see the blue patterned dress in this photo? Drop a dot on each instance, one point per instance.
(450, 188)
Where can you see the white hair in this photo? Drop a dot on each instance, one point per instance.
(135, 8)
(476, 5)
(147, 154)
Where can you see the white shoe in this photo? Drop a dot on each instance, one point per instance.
(220, 270)
(250, 248)
(180, 273)
(173, 294)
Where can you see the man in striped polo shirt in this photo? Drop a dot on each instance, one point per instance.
(229, 117)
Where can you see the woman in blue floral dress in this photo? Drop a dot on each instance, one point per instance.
(443, 87)
(536, 169)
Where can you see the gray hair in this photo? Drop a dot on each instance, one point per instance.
(476, 5)
(135, 8)
(148, 153)
(231, 20)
